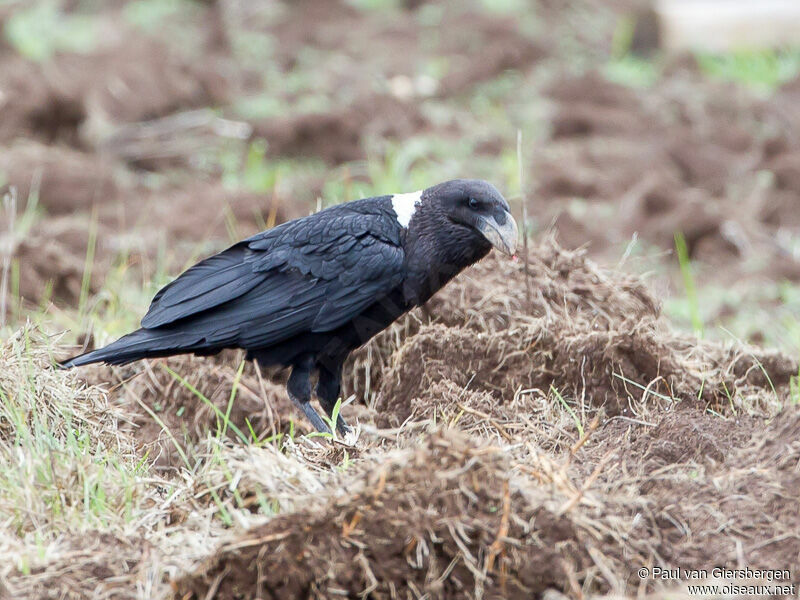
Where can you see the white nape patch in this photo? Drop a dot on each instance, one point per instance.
(405, 205)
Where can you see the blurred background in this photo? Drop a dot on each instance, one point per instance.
(140, 136)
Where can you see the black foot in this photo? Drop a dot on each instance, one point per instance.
(313, 416)
(299, 388)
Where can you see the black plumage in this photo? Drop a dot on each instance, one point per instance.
(308, 292)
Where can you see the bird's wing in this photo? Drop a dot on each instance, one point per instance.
(313, 274)
(209, 283)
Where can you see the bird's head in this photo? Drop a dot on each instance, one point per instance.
(477, 206)
(449, 227)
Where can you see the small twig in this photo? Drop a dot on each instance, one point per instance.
(274, 537)
(348, 528)
(588, 483)
(572, 579)
(500, 429)
(591, 429)
(497, 546)
(524, 220)
(212, 589)
(263, 388)
(381, 484)
(368, 575)
(388, 433)
(272, 217)
(10, 207)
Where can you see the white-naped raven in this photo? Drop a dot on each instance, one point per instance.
(308, 292)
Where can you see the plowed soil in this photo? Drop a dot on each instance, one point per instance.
(472, 478)
(539, 429)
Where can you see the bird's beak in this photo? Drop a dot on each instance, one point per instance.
(503, 237)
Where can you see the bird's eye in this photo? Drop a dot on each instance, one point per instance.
(473, 204)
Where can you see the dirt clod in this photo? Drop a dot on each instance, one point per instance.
(64, 180)
(446, 510)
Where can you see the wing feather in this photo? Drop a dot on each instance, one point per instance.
(312, 274)
(218, 279)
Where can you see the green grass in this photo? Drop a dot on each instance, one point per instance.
(41, 29)
(505, 7)
(753, 308)
(762, 70)
(649, 391)
(19, 225)
(570, 410)
(632, 71)
(231, 398)
(250, 169)
(149, 14)
(374, 5)
(88, 265)
(223, 419)
(62, 467)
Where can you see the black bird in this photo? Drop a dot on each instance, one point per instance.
(308, 292)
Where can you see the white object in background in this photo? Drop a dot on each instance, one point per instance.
(719, 25)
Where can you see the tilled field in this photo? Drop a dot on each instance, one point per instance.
(513, 445)
(539, 428)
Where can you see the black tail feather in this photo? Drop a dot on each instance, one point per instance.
(142, 343)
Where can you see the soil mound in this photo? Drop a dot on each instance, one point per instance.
(339, 136)
(52, 261)
(65, 180)
(442, 520)
(175, 403)
(454, 518)
(651, 163)
(93, 563)
(748, 478)
(494, 296)
(70, 99)
(584, 332)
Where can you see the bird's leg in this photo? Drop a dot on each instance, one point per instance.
(299, 388)
(328, 387)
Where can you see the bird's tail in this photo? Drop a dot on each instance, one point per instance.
(142, 343)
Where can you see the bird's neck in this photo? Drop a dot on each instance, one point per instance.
(436, 251)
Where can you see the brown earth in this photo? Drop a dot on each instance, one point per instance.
(668, 162)
(455, 518)
(340, 135)
(69, 99)
(521, 434)
(91, 562)
(717, 164)
(514, 503)
(52, 254)
(84, 130)
(52, 261)
(190, 402)
(63, 179)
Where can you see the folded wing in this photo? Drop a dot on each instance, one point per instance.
(314, 274)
